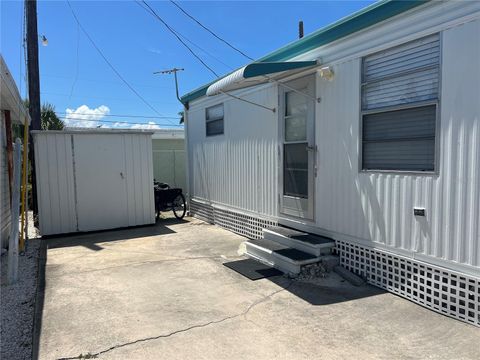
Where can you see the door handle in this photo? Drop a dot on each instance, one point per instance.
(311, 148)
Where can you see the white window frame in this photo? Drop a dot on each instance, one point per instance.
(207, 120)
(411, 105)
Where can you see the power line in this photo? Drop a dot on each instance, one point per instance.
(205, 51)
(152, 12)
(130, 116)
(79, 96)
(119, 122)
(211, 32)
(109, 63)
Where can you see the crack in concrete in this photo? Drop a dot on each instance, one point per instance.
(213, 322)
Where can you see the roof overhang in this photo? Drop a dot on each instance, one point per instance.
(257, 73)
(10, 97)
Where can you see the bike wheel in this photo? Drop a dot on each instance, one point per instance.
(179, 207)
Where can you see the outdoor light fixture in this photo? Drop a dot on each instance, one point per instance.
(326, 73)
(44, 40)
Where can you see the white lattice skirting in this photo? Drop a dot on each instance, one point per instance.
(242, 224)
(439, 289)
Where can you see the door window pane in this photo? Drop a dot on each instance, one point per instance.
(296, 128)
(295, 178)
(295, 103)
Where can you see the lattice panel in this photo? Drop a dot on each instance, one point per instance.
(442, 290)
(202, 211)
(245, 225)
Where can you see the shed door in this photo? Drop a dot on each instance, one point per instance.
(100, 182)
(297, 119)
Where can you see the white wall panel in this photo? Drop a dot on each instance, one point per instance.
(378, 207)
(238, 168)
(139, 178)
(55, 184)
(5, 213)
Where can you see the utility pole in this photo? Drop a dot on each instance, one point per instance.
(174, 72)
(33, 87)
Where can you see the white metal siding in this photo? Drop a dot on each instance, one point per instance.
(55, 183)
(238, 168)
(373, 208)
(77, 189)
(139, 179)
(378, 207)
(5, 214)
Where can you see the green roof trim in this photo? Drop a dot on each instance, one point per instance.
(262, 68)
(360, 20)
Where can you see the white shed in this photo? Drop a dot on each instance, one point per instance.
(93, 180)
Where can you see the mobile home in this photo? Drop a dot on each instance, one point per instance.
(365, 132)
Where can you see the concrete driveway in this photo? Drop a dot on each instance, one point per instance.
(161, 292)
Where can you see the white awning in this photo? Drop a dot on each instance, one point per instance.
(256, 73)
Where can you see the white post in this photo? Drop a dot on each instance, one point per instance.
(13, 241)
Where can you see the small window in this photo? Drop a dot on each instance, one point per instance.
(400, 88)
(214, 120)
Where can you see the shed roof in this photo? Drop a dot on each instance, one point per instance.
(370, 15)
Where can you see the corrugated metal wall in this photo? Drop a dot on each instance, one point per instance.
(240, 169)
(89, 181)
(55, 183)
(378, 206)
(5, 214)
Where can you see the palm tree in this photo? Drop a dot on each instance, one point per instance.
(49, 119)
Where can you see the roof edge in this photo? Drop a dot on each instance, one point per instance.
(364, 18)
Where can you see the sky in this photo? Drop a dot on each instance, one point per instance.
(84, 89)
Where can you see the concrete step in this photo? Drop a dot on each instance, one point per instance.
(282, 257)
(309, 243)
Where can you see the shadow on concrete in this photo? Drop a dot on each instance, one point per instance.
(90, 240)
(330, 290)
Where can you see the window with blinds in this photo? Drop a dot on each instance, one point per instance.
(400, 93)
(214, 120)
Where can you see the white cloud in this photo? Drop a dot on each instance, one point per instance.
(85, 117)
(149, 126)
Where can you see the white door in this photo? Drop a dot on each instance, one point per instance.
(99, 163)
(298, 153)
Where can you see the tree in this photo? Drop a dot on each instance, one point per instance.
(49, 119)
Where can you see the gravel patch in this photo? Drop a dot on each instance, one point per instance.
(17, 303)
